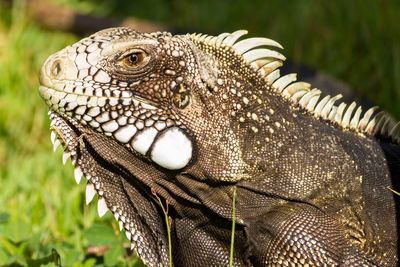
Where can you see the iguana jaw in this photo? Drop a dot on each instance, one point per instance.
(113, 186)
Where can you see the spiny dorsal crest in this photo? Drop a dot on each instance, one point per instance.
(266, 63)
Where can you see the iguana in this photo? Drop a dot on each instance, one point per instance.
(184, 128)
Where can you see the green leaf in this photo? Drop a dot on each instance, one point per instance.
(113, 255)
(34, 242)
(4, 216)
(137, 263)
(4, 257)
(100, 234)
(71, 255)
(15, 230)
(87, 263)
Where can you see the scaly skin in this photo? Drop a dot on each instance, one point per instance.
(184, 121)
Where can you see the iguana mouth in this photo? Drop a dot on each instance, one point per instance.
(66, 102)
(91, 110)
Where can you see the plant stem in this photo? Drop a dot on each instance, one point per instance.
(393, 191)
(233, 226)
(165, 211)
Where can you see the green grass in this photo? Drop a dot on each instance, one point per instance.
(41, 206)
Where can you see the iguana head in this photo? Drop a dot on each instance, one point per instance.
(173, 100)
(125, 85)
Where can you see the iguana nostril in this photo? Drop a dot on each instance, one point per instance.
(56, 68)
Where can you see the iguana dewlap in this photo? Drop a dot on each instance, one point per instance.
(183, 122)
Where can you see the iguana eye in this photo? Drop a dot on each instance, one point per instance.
(135, 59)
(181, 96)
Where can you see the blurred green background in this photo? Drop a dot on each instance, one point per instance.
(41, 207)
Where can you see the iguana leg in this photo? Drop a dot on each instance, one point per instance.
(301, 235)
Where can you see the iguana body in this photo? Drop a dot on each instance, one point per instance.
(187, 121)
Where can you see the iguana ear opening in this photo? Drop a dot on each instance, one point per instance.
(181, 96)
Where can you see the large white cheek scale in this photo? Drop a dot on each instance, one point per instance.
(143, 140)
(172, 150)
